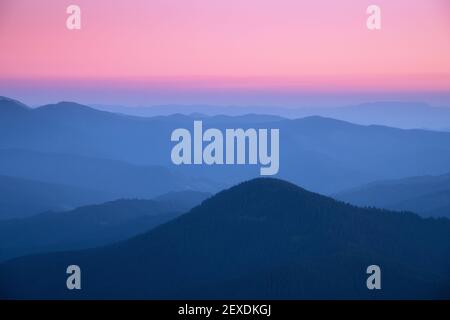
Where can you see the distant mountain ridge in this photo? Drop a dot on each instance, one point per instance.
(405, 115)
(24, 197)
(398, 114)
(115, 178)
(262, 239)
(322, 154)
(426, 195)
(10, 105)
(91, 226)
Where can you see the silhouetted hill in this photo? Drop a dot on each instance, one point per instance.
(72, 112)
(426, 195)
(321, 154)
(90, 226)
(10, 107)
(23, 197)
(264, 238)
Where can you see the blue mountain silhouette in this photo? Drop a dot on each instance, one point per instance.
(91, 226)
(426, 195)
(264, 238)
(321, 154)
(24, 197)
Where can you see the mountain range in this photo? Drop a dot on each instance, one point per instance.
(321, 154)
(426, 195)
(405, 115)
(91, 226)
(24, 197)
(102, 179)
(262, 239)
(75, 185)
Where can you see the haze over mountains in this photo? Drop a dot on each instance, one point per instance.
(263, 239)
(91, 226)
(426, 195)
(114, 178)
(405, 115)
(23, 197)
(321, 154)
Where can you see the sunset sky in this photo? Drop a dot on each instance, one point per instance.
(234, 51)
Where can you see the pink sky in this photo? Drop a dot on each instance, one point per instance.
(249, 44)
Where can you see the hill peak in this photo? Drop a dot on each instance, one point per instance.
(267, 183)
(266, 198)
(318, 120)
(11, 105)
(67, 105)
